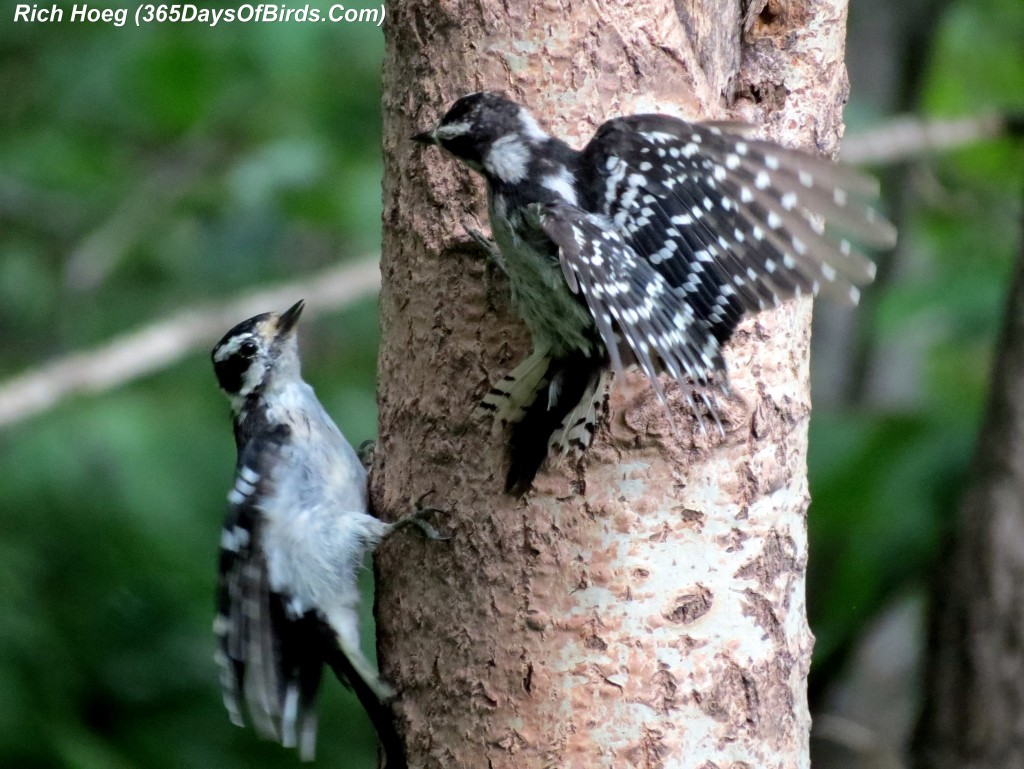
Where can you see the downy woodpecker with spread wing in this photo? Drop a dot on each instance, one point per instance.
(297, 529)
(648, 246)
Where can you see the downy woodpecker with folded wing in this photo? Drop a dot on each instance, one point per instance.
(297, 529)
(647, 247)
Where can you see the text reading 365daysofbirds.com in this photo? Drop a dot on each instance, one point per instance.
(188, 13)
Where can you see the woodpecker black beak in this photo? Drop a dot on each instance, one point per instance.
(289, 318)
(427, 137)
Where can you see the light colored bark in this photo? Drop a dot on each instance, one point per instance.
(644, 606)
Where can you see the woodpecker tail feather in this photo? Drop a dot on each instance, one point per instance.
(509, 398)
(366, 691)
(572, 384)
(578, 427)
(269, 644)
(298, 673)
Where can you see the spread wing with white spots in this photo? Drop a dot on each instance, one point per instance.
(735, 224)
(268, 648)
(632, 301)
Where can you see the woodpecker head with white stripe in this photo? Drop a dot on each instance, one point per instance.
(257, 354)
(490, 134)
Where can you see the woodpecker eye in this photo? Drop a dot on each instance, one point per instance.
(248, 349)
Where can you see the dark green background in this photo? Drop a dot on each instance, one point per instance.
(147, 170)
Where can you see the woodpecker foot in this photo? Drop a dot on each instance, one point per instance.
(489, 246)
(418, 518)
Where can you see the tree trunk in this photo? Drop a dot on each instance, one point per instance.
(644, 606)
(974, 703)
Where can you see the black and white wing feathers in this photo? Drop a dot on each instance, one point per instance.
(771, 220)
(631, 301)
(268, 652)
(272, 647)
(683, 228)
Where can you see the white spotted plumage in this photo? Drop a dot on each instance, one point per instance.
(667, 232)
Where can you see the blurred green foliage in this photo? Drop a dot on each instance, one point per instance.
(143, 170)
(887, 469)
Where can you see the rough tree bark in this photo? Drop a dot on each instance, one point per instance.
(644, 606)
(974, 700)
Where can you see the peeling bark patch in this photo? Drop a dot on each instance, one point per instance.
(775, 701)
(767, 474)
(733, 541)
(640, 421)
(664, 690)
(763, 612)
(691, 518)
(582, 583)
(536, 620)
(511, 743)
(688, 643)
(689, 606)
(483, 697)
(650, 752)
(618, 681)
(654, 749)
(766, 418)
(661, 535)
(733, 700)
(776, 558)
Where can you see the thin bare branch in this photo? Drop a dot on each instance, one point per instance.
(907, 137)
(100, 251)
(161, 344)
